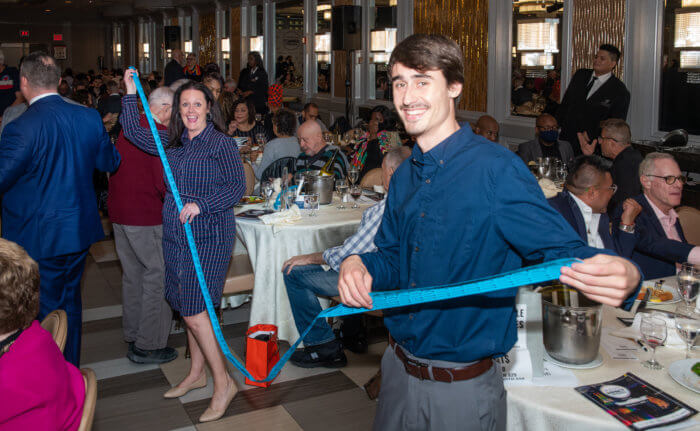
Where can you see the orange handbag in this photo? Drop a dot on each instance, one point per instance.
(262, 352)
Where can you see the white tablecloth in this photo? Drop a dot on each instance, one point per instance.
(268, 251)
(550, 408)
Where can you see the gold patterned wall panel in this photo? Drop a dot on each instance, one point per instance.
(596, 22)
(207, 38)
(466, 22)
(235, 42)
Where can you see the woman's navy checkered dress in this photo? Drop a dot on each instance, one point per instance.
(208, 171)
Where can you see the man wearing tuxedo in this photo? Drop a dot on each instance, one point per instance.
(47, 158)
(593, 95)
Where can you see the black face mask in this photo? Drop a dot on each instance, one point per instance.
(549, 135)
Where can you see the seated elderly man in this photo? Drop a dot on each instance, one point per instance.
(661, 245)
(584, 201)
(546, 142)
(315, 152)
(487, 126)
(305, 278)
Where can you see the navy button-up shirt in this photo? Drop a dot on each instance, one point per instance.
(466, 209)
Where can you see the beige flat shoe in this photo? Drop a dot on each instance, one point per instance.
(179, 391)
(211, 414)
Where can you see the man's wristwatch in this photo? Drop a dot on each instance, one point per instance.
(629, 228)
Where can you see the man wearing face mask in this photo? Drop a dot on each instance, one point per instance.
(546, 143)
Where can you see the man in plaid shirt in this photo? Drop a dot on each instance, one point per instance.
(307, 276)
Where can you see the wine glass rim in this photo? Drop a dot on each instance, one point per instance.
(654, 320)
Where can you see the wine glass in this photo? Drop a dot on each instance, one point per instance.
(260, 140)
(267, 190)
(341, 186)
(311, 202)
(688, 282)
(328, 137)
(687, 325)
(355, 192)
(258, 117)
(654, 334)
(353, 175)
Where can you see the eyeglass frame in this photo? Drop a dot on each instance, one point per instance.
(682, 178)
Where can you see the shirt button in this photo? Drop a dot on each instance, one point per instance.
(410, 316)
(422, 215)
(413, 284)
(442, 162)
(416, 248)
(427, 181)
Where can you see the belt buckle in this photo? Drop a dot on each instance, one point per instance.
(416, 363)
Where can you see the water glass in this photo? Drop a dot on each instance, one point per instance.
(260, 140)
(267, 190)
(654, 334)
(311, 202)
(688, 282)
(258, 117)
(341, 186)
(687, 325)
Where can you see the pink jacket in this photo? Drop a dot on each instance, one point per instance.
(38, 388)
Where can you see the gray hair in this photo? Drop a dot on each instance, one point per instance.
(648, 164)
(396, 156)
(161, 95)
(179, 83)
(619, 128)
(41, 71)
(232, 81)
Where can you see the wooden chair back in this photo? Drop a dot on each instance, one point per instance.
(90, 399)
(690, 222)
(56, 323)
(372, 178)
(249, 178)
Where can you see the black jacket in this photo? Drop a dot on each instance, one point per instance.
(625, 173)
(173, 72)
(578, 114)
(257, 83)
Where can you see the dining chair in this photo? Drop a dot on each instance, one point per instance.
(690, 222)
(90, 399)
(56, 323)
(275, 169)
(249, 178)
(373, 177)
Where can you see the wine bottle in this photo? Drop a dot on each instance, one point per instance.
(327, 169)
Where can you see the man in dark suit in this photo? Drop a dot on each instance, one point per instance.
(174, 70)
(112, 104)
(47, 158)
(593, 95)
(615, 144)
(661, 245)
(546, 143)
(583, 204)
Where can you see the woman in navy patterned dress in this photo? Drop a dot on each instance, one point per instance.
(209, 176)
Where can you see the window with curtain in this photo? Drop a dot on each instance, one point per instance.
(536, 57)
(679, 106)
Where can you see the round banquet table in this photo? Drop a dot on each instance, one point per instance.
(268, 248)
(559, 408)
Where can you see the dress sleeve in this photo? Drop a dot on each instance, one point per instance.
(139, 136)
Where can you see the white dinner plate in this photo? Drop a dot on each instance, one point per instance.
(597, 362)
(668, 287)
(683, 375)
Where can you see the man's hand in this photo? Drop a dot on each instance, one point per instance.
(189, 211)
(129, 75)
(355, 283)
(587, 147)
(630, 211)
(301, 260)
(603, 278)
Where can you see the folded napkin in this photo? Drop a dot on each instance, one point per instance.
(282, 218)
(548, 187)
(673, 340)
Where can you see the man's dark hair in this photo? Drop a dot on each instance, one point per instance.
(41, 70)
(425, 52)
(177, 126)
(586, 172)
(612, 49)
(285, 121)
(310, 105)
(112, 86)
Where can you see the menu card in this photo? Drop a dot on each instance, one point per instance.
(636, 403)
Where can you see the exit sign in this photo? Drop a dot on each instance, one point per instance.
(57, 37)
(24, 34)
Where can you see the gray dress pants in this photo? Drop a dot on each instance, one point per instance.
(146, 314)
(407, 403)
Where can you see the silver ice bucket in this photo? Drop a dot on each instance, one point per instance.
(322, 185)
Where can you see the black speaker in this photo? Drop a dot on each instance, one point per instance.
(346, 28)
(171, 37)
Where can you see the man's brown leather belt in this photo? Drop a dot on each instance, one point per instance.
(448, 375)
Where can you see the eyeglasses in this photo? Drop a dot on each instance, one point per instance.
(609, 138)
(613, 188)
(670, 179)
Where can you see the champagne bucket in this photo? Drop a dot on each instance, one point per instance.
(322, 185)
(571, 325)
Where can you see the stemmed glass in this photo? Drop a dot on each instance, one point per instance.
(654, 334)
(341, 186)
(688, 282)
(687, 325)
(355, 192)
(311, 202)
(353, 175)
(260, 141)
(267, 190)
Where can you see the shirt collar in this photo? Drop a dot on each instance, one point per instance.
(445, 150)
(41, 96)
(204, 134)
(585, 209)
(671, 217)
(602, 78)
